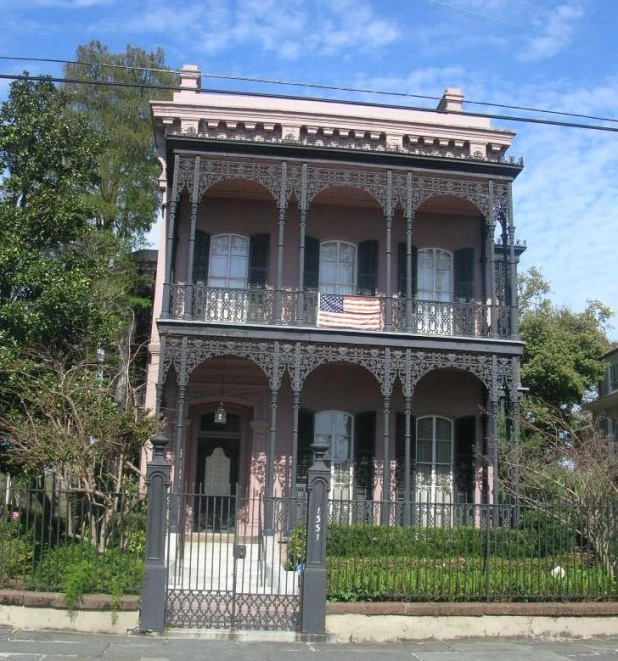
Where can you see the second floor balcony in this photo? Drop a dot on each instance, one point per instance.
(312, 309)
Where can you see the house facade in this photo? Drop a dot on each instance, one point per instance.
(605, 407)
(340, 272)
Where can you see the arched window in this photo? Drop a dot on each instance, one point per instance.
(434, 459)
(335, 428)
(435, 275)
(337, 268)
(229, 261)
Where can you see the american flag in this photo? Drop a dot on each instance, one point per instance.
(358, 312)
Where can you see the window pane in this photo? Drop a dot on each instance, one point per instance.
(220, 244)
(443, 429)
(425, 429)
(324, 423)
(443, 452)
(341, 447)
(218, 267)
(240, 245)
(328, 251)
(328, 273)
(346, 274)
(342, 423)
(347, 253)
(424, 452)
(238, 267)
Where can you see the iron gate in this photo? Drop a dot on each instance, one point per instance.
(227, 565)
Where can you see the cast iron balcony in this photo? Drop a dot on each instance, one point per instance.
(260, 307)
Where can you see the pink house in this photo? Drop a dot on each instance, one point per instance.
(341, 271)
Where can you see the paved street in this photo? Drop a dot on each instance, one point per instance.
(39, 646)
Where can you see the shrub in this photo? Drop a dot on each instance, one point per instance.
(78, 568)
(16, 547)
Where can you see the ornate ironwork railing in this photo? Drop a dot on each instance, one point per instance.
(293, 308)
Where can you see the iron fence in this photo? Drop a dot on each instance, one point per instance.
(55, 539)
(227, 564)
(423, 551)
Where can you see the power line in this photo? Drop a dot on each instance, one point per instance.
(86, 64)
(300, 84)
(510, 118)
(522, 26)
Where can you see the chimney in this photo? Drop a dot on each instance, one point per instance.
(190, 78)
(451, 101)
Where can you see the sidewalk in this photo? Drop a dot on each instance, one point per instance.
(32, 645)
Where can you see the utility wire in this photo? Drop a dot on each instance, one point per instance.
(145, 85)
(276, 81)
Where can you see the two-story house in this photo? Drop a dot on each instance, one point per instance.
(605, 406)
(335, 270)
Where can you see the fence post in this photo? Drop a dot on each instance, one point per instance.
(153, 597)
(313, 613)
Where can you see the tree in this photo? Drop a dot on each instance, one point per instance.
(127, 194)
(67, 419)
(64, 284)
(561, 357)
(54, 268)
(569, 477)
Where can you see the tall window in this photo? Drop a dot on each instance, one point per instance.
(335, 428)
(435, 275)
(434, 459)
(229, 261)
(337, 268)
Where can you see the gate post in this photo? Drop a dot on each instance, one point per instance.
(313, 611)
(153, 596)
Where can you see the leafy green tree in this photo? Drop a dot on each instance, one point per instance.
(63, 283)
(53, 265)
(561, 362)
(127, 194)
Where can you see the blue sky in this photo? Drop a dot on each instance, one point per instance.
(566, 198)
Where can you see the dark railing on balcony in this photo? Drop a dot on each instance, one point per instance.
(260, 306)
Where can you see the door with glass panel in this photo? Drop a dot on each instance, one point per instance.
(227, 278)
(335, 429)
(434, 468)
(434, 313)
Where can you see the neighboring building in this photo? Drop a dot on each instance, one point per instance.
(606, 406)
(336, 270)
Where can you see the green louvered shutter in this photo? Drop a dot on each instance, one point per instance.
(364, 454)
(201, 255)
(259, 252)
(312, 264)
(367, 278)
(464, 274)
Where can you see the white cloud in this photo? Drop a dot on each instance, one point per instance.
(286, 30)
(559, 24)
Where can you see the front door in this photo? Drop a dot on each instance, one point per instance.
(216, 480)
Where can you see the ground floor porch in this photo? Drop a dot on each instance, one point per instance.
(406, 426)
